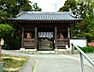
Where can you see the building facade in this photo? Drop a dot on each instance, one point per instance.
(45, 30)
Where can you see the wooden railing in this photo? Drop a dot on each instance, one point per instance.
(61, 44)
(29, 43)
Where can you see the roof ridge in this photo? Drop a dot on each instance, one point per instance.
(43, 12)
(46, 13)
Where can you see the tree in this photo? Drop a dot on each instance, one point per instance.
(87, 24)
(35, 7)
(82, 9)
(11, 35)
(69, 4)
(10, 8)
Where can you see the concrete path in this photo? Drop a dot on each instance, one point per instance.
(58, 63)
(51, 63)
(28, 67)
(77, 56)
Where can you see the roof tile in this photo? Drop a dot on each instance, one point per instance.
(29, 15)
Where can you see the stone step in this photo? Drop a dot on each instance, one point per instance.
(45, 52)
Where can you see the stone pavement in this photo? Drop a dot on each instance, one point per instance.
(51, 63)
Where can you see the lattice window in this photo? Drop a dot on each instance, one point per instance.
(45, 34)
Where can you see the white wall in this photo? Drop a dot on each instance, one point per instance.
(78, 42)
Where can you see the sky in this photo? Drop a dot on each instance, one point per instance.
(49, 5)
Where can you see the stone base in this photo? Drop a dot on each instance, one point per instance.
(22, 49)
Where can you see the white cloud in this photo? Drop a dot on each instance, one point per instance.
(49, 5)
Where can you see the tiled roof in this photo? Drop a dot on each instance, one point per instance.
(28, 15)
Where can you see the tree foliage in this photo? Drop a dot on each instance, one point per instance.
(69, 4)
(6, 30)
(11, 35)
(10, 8)
(35, 7)
(81, 9)
(13, 7)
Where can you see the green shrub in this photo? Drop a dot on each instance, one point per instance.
(88, 49)
(6, 30)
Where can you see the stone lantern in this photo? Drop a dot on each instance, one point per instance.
(1, 43)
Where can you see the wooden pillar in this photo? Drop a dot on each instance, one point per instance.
(22, 36)
(68, 36)
(68, 33)
(36, 39)
(55, 37)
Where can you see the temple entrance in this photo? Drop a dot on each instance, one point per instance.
(45, 39)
